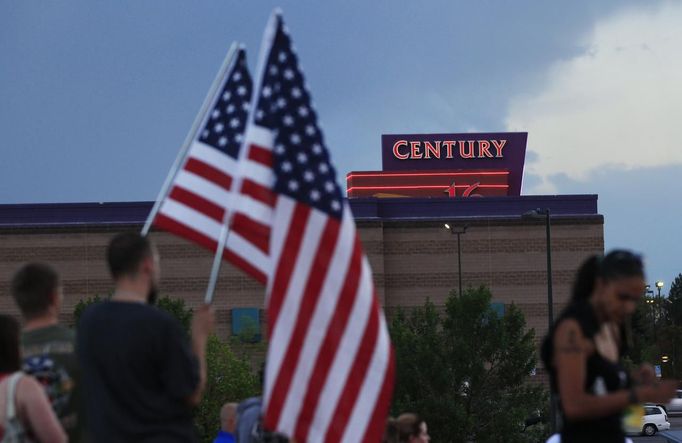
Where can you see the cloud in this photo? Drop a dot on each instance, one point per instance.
(638, 211)
(615, 105)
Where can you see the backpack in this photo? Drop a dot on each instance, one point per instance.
(250, 423)
(14, 429)
(260, 435)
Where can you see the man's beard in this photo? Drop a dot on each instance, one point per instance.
(152, 295)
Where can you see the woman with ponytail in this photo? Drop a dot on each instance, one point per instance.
(582, 352)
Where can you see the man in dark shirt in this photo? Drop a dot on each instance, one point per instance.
(141, 375)
(48, 348)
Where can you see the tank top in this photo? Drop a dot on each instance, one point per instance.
(602, 376)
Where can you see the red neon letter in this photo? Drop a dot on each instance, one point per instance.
(451, 190)
(414, 150)
(483, 146)
(464, 154)
(470, 189)
(396, 151)
(499, 145)
(429, 149)
(448, 145)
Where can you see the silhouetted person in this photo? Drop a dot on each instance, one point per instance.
(583, 350)
(412, 429)
(228, 423)
(141, 373)
(48, 349)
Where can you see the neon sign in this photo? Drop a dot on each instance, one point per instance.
(415, 150)
(453, 184)
(498, 151)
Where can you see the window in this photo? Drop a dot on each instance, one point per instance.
(246, 324)
(651, 411)
(498, 308)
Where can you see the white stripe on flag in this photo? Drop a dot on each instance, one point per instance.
(281, 335)
(213, 157)
(204, 188)
(371, 386)
(190, 218)
(260, 135)
(284, 208)
(344, 358)
(321, 317)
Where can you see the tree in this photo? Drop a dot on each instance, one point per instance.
(466, 370)
(675, 301)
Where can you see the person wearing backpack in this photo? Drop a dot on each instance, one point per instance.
(25, 411)
(48, 348)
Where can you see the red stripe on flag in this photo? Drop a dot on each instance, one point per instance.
(260, 155)
(198, 203)
(245, 266)
(259, 192)
(329, 347)
(209, 173)
(287, 260)
(311, 295)
(356, 377)
(376, 425)
(252, 231)
(184, 231)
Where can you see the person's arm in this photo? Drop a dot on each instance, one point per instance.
(202, 326)
(571, 350)
(35, 408)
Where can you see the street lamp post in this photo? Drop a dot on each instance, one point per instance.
(649, 298)
(545, 213)
(659, 285)
(458, 232)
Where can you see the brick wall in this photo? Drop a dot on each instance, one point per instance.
(410, 260)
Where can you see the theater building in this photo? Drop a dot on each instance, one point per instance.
(471, 180)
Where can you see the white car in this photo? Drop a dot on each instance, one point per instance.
(655, 419)
(675, 405)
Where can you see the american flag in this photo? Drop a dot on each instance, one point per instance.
(330, 367)
(202, 191)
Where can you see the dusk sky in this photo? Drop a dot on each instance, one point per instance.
(96, 97)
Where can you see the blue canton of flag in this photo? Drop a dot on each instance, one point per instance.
(301, 161)
(225, 123)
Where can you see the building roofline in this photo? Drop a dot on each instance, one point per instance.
(64, 215)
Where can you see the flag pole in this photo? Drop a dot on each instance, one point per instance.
(217, 260)
(268, 36)
(198, 120)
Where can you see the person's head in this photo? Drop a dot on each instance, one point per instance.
(614, 284)
(10, 358)
(412, 429)
(132, 258)
(391, 431)
(36, 290)
(228, 417)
